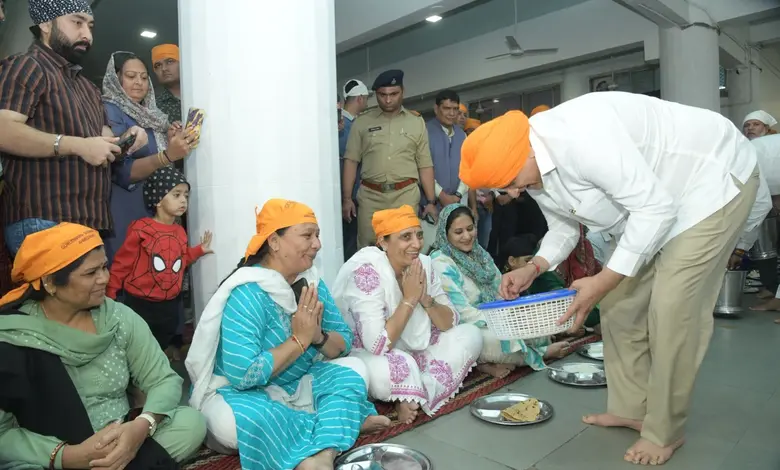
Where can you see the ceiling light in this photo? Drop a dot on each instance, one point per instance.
(148, 34)
(433, 19)
(495, 100)
(721, 87)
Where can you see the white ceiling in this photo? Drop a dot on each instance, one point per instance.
(484, 17)
(119, 23)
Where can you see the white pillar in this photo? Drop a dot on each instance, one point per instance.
(690, 64)
(15, 35)
(575, 83)
(265, 74)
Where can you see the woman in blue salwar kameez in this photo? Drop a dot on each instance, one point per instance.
(266, 360)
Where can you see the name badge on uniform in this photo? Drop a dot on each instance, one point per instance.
(374, 129)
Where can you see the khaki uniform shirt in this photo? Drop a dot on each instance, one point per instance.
(391, 149)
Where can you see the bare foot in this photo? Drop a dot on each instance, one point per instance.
(771, 305)
(606, 420)
(557, 350)
(374, 424)
(320, 461)
(407, 411)
(498, 371)
(644, 452)
(765, 294)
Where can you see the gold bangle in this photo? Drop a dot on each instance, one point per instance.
(300, 345)
(53, 455)
(408, 304)
(160, 159)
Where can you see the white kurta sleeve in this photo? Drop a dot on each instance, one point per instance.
(365, 300)
(757, 214)
(611, 161)
(436, 291)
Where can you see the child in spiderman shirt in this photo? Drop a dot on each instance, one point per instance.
(149, 267)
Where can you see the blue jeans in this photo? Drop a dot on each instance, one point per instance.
(17, 231)
(484, 226)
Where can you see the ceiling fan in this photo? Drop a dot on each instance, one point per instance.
(516, 51)
(514, 48)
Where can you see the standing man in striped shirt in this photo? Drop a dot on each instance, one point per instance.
(55, 143)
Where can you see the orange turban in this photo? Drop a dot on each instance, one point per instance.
(277, 214)
(471, 123)
(463, 108)
(165, 51)
(390, 221)
(492, 156)
(539, 109)
(48, 251)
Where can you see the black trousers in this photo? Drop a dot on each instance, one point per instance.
(37, 390)
(162, 317)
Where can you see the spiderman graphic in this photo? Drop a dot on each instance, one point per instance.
(150, 264)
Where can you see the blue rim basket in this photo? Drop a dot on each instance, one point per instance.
(530, 316)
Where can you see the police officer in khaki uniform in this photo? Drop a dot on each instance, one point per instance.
(391, 142)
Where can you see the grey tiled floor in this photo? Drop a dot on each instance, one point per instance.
(734, 422)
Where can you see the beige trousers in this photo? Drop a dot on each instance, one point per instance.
(657, 325)
(370, 201)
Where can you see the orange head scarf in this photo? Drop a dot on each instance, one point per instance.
(539, 109)
(492, 156)
(277, 214)
(471, 124)
(48, 251)
(463, 109)
(165, 51)
(391, 221)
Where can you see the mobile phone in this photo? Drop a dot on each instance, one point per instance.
(125, 143)
(339, 114)
(297, 288)
(194, 120)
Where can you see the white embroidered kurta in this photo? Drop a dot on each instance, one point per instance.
(425, 365)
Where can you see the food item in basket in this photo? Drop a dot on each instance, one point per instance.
(524, 412)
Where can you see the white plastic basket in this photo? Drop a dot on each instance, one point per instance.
(528, 317)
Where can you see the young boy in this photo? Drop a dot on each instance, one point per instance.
(149, 266)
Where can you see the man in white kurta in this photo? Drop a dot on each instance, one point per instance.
(768, 153)
(675, 186)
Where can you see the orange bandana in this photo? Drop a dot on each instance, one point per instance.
(493, 155)
(277, 214)
(471, 123)
(391, 221)
(539, 109)
(463, 109)
(165, 51)
(48, 251)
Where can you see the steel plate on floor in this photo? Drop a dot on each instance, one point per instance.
(593, 351)
(488, 408)
(383, 457)
(579, 374)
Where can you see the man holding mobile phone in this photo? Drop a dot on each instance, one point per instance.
(54, 136)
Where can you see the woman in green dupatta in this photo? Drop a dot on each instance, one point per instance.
(470, 277)
(61, 309)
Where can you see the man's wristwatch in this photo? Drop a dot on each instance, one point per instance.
(57, 141)
(151, 420)
(457, 195)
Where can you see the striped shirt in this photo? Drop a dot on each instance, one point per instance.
(57, 99)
